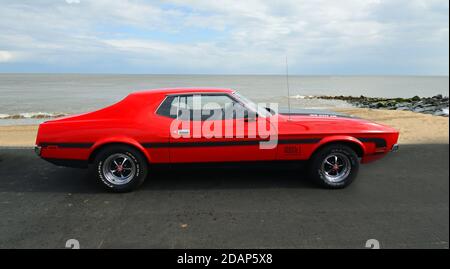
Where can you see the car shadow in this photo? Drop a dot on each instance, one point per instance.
(28, 173)
(227, 176)
(22, 171)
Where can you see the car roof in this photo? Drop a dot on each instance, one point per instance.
(182, 91)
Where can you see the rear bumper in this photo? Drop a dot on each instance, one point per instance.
(394, 148)
(62, 162)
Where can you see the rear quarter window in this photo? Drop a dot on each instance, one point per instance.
(165, 108)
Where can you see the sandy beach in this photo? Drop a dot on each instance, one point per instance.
(18, 136)
(414, 128)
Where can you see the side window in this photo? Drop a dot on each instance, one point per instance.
(168, 108)
(212, 107)
(216, 107)
(185, 108)
(177, 106)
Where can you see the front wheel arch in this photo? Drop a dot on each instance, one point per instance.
(357, 148)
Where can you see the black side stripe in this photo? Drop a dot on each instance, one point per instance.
(67, 145)
(379, 142)
(300, 141)
(226, 143)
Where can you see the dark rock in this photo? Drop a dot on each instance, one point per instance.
(380, 104)
(429, 105)
(403, 104)
(439, 113)
(431, 108)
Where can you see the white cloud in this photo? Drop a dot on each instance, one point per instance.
(6, 56)
(230, 36)
(73, 2)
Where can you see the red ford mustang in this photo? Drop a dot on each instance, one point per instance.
(208, 125)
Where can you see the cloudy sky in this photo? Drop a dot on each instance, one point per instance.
(394, 37)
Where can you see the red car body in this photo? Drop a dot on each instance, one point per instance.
(134, 121)
(134, 132)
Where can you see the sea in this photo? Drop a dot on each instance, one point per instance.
(31, 98)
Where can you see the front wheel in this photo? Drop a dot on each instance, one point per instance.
(120, 168)
(334, 166)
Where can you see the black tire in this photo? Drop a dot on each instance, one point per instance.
(319, 167)
(136, 162)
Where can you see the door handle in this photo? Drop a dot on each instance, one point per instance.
(184, 131)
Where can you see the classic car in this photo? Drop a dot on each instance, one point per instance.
(194, 125)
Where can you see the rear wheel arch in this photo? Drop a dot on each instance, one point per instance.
(98, 148)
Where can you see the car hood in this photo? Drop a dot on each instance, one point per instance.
(328, 122)
(312, 112)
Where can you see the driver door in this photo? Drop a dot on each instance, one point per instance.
(215, 127)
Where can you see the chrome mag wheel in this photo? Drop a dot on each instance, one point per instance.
(119, 169)
(336, 167)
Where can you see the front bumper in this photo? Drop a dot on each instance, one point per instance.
(378, 155)
(37, 150)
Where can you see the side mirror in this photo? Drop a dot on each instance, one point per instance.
(271, 111)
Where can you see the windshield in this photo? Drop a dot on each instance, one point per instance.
(260, 110)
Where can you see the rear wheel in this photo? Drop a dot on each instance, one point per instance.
(335, 166)
(120, 168)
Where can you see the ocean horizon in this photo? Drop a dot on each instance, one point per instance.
(24, 97)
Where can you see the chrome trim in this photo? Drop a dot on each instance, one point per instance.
(178, 106)
(196, 93)
(231, 95)
(37, 150)
(237, 99)
(119, 169)
(192, 93)
(394, 147)
(336, 167)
